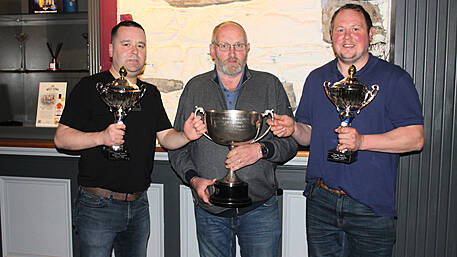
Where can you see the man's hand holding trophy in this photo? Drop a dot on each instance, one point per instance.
(348, 95)
(121, 96)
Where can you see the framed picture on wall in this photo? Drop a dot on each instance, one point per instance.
(51, 101)
(46, 6)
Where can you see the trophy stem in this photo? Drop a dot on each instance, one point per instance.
(119, 115)
(230, 177)
(346, 117)
(230, 191)
(22, 68)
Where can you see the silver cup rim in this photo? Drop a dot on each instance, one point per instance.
(232, 111)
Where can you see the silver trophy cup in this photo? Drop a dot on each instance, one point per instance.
(348, 95)
(121, 97)
(233, 128)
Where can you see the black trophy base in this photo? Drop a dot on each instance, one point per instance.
(230, 195)
(347, 157)
(118, 155)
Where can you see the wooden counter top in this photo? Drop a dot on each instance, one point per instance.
(34, 143)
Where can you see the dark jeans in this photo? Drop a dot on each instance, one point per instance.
(104, 224)
(258, 232)
(338, 225)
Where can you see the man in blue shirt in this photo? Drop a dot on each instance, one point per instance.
(350, 208)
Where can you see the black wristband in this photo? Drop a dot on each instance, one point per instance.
(190, 174)
(271, 149)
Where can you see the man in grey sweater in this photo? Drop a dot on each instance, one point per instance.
(231, 85)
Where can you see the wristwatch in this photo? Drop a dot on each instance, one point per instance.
(263, 150)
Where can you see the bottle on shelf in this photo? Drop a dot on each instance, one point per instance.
(53, 65)
(59, 109)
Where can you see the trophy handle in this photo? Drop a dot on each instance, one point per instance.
(100, 87)
(143, 91)
(202, 111)
(326, 88)
(326, 85)
(265, 113)
(369, 96)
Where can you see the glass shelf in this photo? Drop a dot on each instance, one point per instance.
(19, 88)
(43, 19)
(42, 71)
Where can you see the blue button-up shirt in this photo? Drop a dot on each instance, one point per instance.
(230, 97)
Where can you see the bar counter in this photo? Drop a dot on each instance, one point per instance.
(36, 177)
(47, 147)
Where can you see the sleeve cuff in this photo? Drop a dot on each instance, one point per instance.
(190, 174)
(271, 149)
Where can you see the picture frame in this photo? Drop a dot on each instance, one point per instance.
(45, 6)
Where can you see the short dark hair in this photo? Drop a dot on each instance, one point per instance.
(126, 23)
(354, 7)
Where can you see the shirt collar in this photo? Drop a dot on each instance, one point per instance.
(370, 63)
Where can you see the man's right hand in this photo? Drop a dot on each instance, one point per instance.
(282, 126)
(113, 134)
(200, 185)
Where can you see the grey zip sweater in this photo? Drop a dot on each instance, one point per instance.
(259, 91)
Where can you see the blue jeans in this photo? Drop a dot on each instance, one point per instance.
(103, 224)
(338, 225)
(258, 232)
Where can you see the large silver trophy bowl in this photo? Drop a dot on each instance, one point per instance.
(120, 96)
(233, 128)
(348, 95)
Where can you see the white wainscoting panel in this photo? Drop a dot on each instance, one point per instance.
(294, 226)
(156, 237)
(36, 217)
(188, 234)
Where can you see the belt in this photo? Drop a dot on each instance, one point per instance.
(324, 186)
(128, 197)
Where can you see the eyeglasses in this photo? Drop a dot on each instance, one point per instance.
(224, 47)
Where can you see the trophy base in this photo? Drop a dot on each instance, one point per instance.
(230, 195)
(337, 156)
(116, 155)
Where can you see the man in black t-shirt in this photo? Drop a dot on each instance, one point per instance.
(111, 211)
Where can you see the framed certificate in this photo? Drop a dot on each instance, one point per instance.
(51, 101)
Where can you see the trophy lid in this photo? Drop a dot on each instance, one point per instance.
(349, 94)
(350, 82)
(122, 83)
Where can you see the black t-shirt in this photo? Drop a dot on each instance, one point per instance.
(85, 111)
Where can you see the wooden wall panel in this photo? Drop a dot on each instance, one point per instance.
(425, 46)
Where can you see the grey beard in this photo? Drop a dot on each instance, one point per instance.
(226, 71)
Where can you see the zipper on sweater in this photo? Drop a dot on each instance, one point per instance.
(241, 86)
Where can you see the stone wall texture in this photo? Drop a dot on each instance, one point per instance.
(287, 38)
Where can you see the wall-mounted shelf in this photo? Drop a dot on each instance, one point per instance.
(43, 71)
(43, 19)
(19, 88)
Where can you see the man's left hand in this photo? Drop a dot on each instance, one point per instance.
(242, 156)
(348, 138)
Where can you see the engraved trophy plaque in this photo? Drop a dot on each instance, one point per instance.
(233, 128)
(121, 96)
(348, 95)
